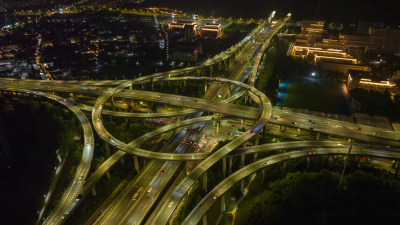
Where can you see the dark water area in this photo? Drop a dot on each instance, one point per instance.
(28, 159)
(313, 94)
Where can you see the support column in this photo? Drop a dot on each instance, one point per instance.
(217, 127)
(230, 165)
(108, 174)
(308, 162)
(223, 203)
(205, 181)
(205, 219)
(224, 167)
(255, 157)
(187, 168)
(263, 173)
(318, 136)
(257, 140)
(242, 160)
(329, 137)
(74, 97)
(242, 186)
(152, 84)
(94, 190)
(298, 131)
(112, 102)
(122, 161)
(211, 70)
(136, 162)
(242, 122)
(108, 152)
(205, 86)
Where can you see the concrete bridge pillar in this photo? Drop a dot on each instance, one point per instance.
(74, 97)
(242, 122)
(242, 160)
(130, 87)
(205, 219)
(223, 203)
(224, 167)
(242, 185)
(211, 70)
(230, 165)
(205, 86)
(318, 136)
(205, 181)
(152, 84)
(112, 102)
(255, 157)
(217, 127)
(94, 190)
(122, 161)
(136, 162)
(298, 131)
(308, 162)
(264, 171)
(257, 140)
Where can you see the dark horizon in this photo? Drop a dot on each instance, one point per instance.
(334, 10)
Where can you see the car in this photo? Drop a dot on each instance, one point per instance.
(90, 88)
(170, 204)
(196, 100)
(81, 177)
(99, 88)
(359, 128)
(150, 188)
(266, 163)
(123, 90)
(162, 171)
(311, 128)
(215, 197)
(294, 122)
(78, 198)
(147, 197)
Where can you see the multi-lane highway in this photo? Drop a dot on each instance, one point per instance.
(154, 178)
(69, 197)
(205, 204)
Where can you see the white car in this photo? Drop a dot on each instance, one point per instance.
(170, 204)
(149, 189)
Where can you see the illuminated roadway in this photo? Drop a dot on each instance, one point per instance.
(211, 197)
(68, 199)
(262, 115)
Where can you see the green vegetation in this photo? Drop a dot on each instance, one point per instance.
(377, 103)
(189, 202)
(30, 134)
(301, 194)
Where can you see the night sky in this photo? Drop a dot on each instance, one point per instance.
(335, 10)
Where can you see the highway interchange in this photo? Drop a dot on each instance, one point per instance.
(168, 159)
